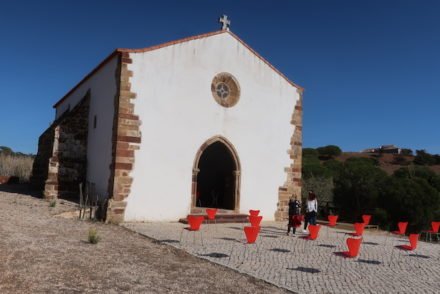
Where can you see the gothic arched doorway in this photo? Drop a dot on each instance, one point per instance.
(216, 176)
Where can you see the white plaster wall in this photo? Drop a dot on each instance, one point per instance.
(103, 87)
(178, 114)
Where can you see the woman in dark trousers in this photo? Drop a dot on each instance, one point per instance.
(294, 215)
(311, 210)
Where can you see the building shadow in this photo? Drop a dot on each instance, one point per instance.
(22, 189)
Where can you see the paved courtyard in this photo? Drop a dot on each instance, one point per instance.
(305, 266)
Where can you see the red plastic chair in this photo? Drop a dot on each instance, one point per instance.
(435, 226)
(413, 238)
(314, 232)
(251, 233)
(255, 220)
(366, 218)
(332, 219)
(353, 244)
(359, 229)
(211, 213)
(254, 212)
(402, 228)
(194, 222)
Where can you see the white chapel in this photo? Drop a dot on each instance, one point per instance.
(170, 130)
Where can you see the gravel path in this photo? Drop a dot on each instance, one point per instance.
(310, 266)
(41, 252)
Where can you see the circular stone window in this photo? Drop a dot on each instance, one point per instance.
(225, 89)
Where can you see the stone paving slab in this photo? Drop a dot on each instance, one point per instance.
(306, 266)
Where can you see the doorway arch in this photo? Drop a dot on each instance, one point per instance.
(216, 176)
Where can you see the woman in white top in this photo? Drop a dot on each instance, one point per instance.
(311, 210)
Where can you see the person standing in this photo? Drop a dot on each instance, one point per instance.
(294, 216)
(311, 210)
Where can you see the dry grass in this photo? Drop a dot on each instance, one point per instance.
(41, 252)
(20, 166)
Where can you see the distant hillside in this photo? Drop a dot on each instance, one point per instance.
(387, 162)
(385, 183)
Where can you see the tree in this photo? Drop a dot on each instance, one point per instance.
(310, 152)
(437, 158)
(424, 158)
(312, 167)
(410, 199)
(329, 151)
(334, 166)
(358, 187)
(6, 150)
(406, 152)
(420, 172)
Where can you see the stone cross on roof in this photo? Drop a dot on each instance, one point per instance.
(225, 22)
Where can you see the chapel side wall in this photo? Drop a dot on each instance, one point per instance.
(103, 87)
(179, 114)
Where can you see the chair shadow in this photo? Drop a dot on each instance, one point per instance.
(280, 250)
(215, 255)
(235, 228)
(374, 262)
(270, 236)
(168, 241)
(418, 255)
(327, 245)
(275, 228)
(310, 270)
(341, 254)
(370, 243)
(264, 230)
(228, 239)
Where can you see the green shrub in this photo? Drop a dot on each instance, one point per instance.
(93, 236)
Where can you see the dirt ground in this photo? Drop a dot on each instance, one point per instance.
(41, 252)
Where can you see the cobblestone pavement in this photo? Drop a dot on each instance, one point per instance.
(306, 266)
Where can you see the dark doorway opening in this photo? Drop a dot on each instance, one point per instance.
(216, 178)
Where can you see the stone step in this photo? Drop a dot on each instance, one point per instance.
(223, 218)
(346, 226)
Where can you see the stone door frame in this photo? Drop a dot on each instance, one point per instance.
(237, 173)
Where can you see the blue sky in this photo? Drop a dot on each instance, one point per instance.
(371, 69)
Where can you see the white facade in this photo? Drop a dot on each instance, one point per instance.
(178, 114)
(102, 86)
